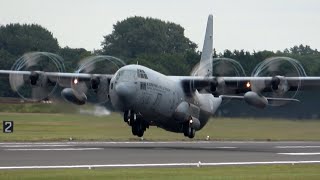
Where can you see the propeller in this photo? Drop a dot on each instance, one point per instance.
(97, 89)
(221, 67)
(36, 86)
(278, 68)
(226, 67)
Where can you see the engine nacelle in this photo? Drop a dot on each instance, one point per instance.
(34, 78)
(186, 112)
(38, 79)
(213, 86)
(256, 100)
(279, 85)
(95, 83)
(73, 96)
(182, 111)
(194, 123)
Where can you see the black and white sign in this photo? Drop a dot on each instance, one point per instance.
(7, 126)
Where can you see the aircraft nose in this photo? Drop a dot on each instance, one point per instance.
(124, 92)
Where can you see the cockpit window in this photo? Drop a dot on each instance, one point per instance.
(142, 74)
(126, 75)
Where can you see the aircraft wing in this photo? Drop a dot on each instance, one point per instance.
(240, 85)
(62, 78)
(304, 83)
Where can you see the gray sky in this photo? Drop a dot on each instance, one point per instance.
(238, 24)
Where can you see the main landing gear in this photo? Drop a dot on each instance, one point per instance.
(138, 125)
(188, 130)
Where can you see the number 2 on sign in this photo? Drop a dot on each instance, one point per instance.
(7, 126)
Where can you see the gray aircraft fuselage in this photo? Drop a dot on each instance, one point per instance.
(155, 97)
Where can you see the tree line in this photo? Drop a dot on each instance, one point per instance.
(157, 44)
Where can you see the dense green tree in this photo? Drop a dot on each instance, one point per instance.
(18, 39)
(302, 50)
(138, 35)
(6, 61)
(72, 57)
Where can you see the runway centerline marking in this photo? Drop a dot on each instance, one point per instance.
(55, 149)
(158, 165)
(301, 154)
(296, 147)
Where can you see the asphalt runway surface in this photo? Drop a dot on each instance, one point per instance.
(154, 154)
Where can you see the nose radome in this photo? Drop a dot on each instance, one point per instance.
(124, 92)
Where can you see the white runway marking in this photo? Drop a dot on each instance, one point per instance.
(55, 149)
(35, 145)
(149, 142)
(301, 154)
(114, 142)
(159, 165)
(224, 147)
(296, 147)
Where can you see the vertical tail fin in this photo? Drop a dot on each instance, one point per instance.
(205, 66)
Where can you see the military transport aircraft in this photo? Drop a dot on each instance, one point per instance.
(181, 104)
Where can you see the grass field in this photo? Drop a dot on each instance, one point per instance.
(60, 127)
(282, 172)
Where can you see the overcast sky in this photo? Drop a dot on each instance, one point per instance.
(238, 24)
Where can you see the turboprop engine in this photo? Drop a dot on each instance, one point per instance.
(276, 91)
(97, 89)
(279, 85)
(221, 67)
(36, 86)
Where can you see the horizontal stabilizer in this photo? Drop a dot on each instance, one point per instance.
(227, 97)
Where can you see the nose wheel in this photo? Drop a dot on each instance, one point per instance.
(138, 125)
(138, 128)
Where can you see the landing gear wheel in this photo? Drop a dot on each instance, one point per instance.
(140, 132)
(138, 128)
(191, 132)
(188, 131)
(134, 130)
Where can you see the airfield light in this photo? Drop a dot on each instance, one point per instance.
(248, 85)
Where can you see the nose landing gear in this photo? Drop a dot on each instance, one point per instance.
(138, 128)
(138, 125)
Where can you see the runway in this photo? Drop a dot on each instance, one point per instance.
(153, 154)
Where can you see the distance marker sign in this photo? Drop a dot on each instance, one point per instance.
(7, 126)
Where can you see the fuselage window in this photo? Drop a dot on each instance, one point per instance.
(126, 75)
